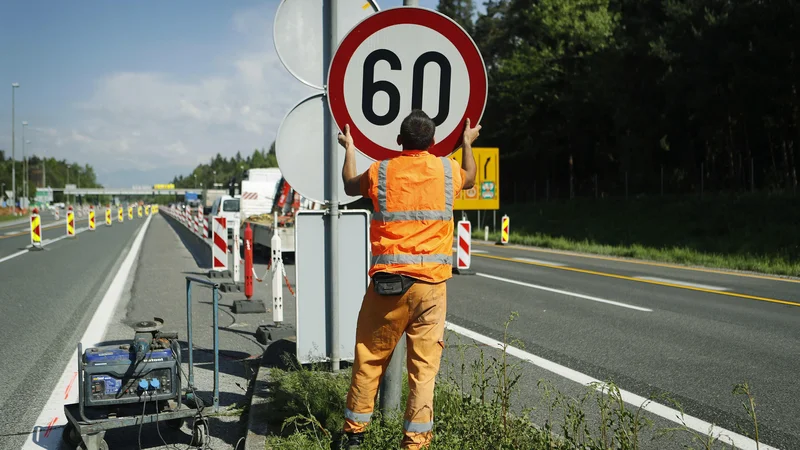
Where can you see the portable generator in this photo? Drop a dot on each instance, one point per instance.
(148, 369)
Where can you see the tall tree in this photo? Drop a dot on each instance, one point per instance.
(462, 11)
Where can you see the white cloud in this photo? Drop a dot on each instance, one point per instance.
(146, 120)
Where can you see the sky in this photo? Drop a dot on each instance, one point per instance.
(143, 90)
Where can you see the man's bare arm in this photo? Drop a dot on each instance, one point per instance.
(467, 158)
(350, 175)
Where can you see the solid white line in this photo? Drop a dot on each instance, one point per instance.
(559, 291)
(538, 261)
(13, 255)
(701, 426)
(45, 242)
(684, 283)
(48, 426)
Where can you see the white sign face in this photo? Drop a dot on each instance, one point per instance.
(403, 59)
(300, 150)
(298, 34)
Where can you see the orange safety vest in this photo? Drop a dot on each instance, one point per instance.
(411, 231)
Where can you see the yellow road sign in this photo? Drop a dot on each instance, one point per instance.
(485, 195)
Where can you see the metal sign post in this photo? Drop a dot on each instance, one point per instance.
(332, 190)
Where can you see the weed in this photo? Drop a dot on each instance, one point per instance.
(308, 405)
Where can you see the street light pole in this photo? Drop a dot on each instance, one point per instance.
(14, 86)
(215, 178)
(24, 171)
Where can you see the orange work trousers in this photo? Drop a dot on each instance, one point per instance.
(420, 313)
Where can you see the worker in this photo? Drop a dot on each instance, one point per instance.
(411, 235)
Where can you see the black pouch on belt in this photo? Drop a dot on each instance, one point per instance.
(391, 283)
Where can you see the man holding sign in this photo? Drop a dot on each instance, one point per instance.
(411, 236)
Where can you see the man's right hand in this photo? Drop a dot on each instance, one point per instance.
(346, 140)
(470, 134)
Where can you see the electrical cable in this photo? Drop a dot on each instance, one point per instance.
(142, 423)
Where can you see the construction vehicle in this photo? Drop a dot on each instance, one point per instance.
(284, 201)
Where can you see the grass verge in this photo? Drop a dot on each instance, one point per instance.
(748, 232)
(473, 410)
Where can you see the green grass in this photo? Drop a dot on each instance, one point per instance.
(10, 217)
(749, 232)
(473, 410)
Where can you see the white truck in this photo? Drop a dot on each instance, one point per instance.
(260, 197)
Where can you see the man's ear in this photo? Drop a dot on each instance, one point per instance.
(399, 140)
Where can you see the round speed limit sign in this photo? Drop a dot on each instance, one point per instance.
(402, 59)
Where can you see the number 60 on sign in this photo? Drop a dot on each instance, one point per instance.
(402, 59)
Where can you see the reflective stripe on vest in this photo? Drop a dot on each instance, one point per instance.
(382, 215)
(403, 258)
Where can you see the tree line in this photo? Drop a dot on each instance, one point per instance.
(56, 173)
(222, 170)
(588, 96)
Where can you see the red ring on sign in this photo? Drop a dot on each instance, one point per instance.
(411, 16)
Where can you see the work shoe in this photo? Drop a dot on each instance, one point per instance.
(353, 442)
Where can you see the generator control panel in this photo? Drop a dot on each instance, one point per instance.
(115, 375)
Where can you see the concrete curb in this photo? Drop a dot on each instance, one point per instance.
(257, 428)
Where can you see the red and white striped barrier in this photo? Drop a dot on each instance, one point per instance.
(464, 247)
(219, 248)
(205, 228)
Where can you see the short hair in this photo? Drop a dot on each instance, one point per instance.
(417, 131)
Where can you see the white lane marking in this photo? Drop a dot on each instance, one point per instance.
(684, 283)
(45, 242)
(455, 249)
(658, 409)
(47, 429)
(13, 255)
(559, 291)
(538, 261)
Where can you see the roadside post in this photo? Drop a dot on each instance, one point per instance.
(130, 212)
(234, 285)
(70, 222)
(36, 230)
(91, 218)
(277, 269)
(219, 248)
(505, 222)
(108, 215)
(249, 305)
(464, 249)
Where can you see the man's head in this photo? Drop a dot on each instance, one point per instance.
(416, 131)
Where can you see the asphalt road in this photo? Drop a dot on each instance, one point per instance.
(689, 334)
(14, 238)
(48, 298)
